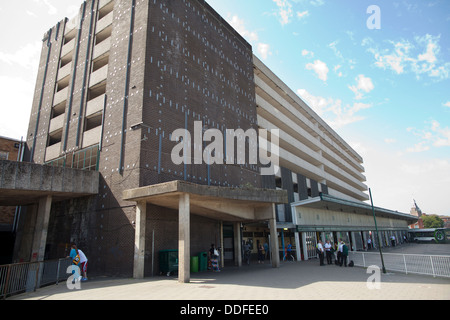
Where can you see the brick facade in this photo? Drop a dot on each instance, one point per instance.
(170, 63)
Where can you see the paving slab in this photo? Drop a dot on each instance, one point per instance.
(292, 281)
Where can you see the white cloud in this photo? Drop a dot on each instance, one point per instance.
(332, 110)
(26, 57)
(418, 178)
(239, 25)
(307, 53)
(51, 8)
(419, 147)
(363, 84)
(303, 14)
(390, 140)
(264, 50)
(447, 104)
(336, 68)
(320, 68)
(285, 12)
(317, 3)
(333, 46)
(433, 135)
(419, 57)
(17, 98)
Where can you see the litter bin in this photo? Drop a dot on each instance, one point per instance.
(194, 264)
(202, 261)
(168, 261)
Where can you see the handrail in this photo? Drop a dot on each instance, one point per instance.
(431, 265)
(28, 276)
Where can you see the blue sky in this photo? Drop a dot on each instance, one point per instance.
(385, 91)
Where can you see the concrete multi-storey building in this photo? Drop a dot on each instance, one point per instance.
(114, 85)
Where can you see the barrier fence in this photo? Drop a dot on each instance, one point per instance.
(27, 277)
(436, 266)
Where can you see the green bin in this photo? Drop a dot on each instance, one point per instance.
(168, 261)
(194, 264)
(203, 261)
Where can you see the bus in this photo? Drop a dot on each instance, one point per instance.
(435, 235)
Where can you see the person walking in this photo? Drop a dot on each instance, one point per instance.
(214, 257)
(320, 251)
(328, 252)
(266, 250)
(339, 252)
(247, 252)
(344, 254)
(260, 253)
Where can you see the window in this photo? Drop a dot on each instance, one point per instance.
(86, 159)
(4, 155)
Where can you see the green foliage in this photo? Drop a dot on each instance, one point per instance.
(432, 222)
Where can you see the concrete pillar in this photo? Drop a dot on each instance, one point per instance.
(237, 244)
(274, 240)
(184, 243)
(139, 240)
(222, 247)
(353, 237)
(41, 229)
(305, 247)
(297, 247)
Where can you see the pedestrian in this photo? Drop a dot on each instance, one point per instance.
(328, 252)
(214, 258)
(320, 251)
(336, 252)
(266, 250)
(247, 251)
(79, 260)
(344, 254)
(339, 251)
(260, 253)
(369, 243)
(393, 240)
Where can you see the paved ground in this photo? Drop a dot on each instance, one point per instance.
(292, 281)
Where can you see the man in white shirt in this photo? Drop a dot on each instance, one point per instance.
(320, 252)
(328, 252)
(340, 249)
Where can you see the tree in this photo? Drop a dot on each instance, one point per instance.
(433, 221)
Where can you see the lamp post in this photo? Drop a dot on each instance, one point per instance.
(378, 235)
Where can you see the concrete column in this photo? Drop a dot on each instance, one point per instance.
(352, 235)
(41, 229)
(274, 240)
(237, 244)
(139, 240)
(222, 247)
(305, 247)
(184, 243)
(297, 247)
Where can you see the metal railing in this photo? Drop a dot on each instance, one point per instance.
(431, 265)
(27, 277)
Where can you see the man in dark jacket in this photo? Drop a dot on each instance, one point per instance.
(344, 254)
